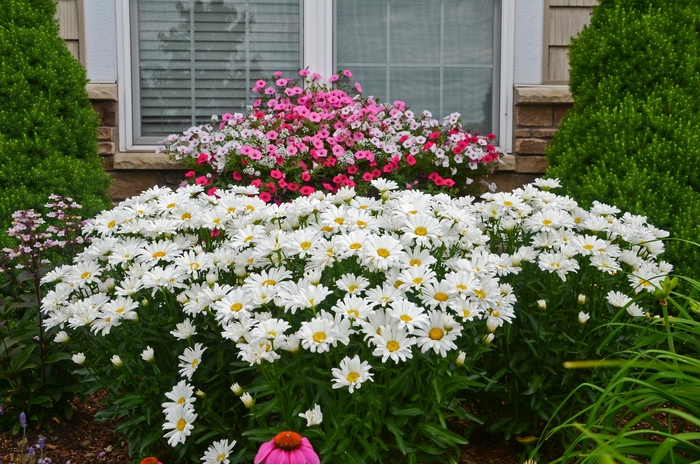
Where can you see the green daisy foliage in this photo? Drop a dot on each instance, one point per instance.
(48, 141)
(632, 138)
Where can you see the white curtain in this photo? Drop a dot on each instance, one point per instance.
(197, 58)
(436, 55)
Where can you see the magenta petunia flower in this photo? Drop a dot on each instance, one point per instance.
(287, 447)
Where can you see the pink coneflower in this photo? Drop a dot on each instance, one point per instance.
(287, 447)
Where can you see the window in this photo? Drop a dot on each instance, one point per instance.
(188, 59)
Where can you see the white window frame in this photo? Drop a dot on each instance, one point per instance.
(317, 56)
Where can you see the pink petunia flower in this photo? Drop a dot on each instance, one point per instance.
(347, 73)
(333, 78)
(358, 87)
(287, 447)
(304, 72)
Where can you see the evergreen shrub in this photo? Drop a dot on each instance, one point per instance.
(48, 141)
(632, 138)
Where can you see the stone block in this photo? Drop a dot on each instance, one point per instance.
(173, 179)
(105, 133)
(543, 133)
(130, 183)
(533, 116)
(107, 112)
(508, 163)
(559, 114)
(145, 161)
(531, 146)
(522, 133)
(531, 164)
(102, 92)
(106, 148)
(542, 95)
(108, 162)
(509, 181)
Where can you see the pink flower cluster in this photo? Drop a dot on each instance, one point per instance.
(301, 137)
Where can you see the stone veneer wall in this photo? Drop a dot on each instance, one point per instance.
(538, 113)
(132, 173)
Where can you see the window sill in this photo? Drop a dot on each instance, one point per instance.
(543, 95)
(145, 161)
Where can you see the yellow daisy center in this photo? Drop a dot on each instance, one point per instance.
(355, 246)
(435, 333)
(236, 307)
(383, 252)
(181, 423)
(186, 216)
(319, 337)
(339, 221)
(268, 282)
(422, 231)
(111, 224)
(305, 245)
(392, 346)
(354, 313)
(588, 247)
(547, 222)
(352, 288)
(480, 294)
(441, 296)
(85, 275)
(353, 376)
(406, 318)
(158, 254)
(361, 224)
(415, 262)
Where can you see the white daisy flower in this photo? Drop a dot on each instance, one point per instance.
(392, 342)
(179, 420)
(218, 452)
(352, 373)
(190, 360)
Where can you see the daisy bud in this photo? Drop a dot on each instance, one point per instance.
(211, 279)
(582, 299)
(248, 400)
(147, 354)
(460, 358)
(144, 302)
(449, 323)
(79, 358)
(117, 361)
(542, 304)
(313, 417)
(61, 337)
(237, 389)
(492, 324)
(583, 317)
(182, 298)
(488, 339)
(201, 394)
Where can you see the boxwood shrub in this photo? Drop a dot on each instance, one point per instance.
(48, 141)
(632, 138)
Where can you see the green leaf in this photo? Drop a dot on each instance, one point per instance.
(391, 425)
(20, 358)
(406, 411)
(443, 436)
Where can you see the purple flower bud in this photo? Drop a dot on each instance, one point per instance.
(40, 445)
(23, 420)
(31, 451)
(101, 455)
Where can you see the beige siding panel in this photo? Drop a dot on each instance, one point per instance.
(558, 64)
(74, 48)
(67, 15)
(573, 2)
(565, 23)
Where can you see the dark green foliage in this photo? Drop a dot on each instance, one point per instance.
(632, 138)
(48, 128)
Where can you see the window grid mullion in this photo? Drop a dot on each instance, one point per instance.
(442, 52)
(388, 51)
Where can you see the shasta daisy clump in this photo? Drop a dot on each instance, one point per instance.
(247, 313)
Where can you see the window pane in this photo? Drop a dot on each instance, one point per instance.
(436, 55)
(201, 57)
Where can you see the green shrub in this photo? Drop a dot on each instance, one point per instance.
(48, 128)
(633, 136)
